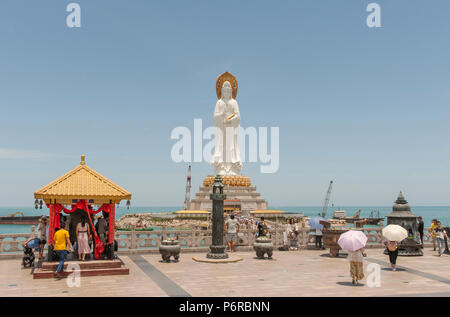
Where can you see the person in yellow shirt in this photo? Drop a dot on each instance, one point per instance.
(62, 241)
(433, 233)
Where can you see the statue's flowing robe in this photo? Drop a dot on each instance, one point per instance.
(226, 158)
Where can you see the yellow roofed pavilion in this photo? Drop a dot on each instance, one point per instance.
(267, 213)
(82, 183)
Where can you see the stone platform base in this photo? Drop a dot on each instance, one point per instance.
(88, 268)
(240, 195)
(231, 259)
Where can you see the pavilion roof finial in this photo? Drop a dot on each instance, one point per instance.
(83, 160)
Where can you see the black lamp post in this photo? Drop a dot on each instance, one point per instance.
(217, 248)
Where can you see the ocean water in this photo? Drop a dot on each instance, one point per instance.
(441, 213)
(428, 213)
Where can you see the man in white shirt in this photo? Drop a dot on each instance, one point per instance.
(440, 237)
(319, 239)
(232, 228)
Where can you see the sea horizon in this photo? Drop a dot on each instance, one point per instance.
(270, 207)
(427, 212)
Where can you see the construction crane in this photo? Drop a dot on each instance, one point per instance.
(327, 199)
(358, 213)
(187, 197)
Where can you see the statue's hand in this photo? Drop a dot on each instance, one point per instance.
(232, 119)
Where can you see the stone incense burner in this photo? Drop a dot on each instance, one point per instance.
(262, 246)
(170, 248)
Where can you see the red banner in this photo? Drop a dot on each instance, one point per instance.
(82, 204)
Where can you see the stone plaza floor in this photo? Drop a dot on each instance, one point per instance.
(293, 273)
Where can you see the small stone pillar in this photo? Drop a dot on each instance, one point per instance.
(217, 248)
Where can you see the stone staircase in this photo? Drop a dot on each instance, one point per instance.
(249, 199)
(88, 268)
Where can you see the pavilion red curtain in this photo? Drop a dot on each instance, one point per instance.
(82, 204)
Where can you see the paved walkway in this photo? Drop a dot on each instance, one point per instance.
(302, 273)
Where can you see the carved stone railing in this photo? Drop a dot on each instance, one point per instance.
(141, 240)
(12, 243)
(134, 240)
(374, 238)
(193, 239)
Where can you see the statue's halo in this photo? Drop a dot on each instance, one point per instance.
(223, 78)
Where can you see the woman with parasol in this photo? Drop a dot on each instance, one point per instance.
(393, 234)
(354, 241)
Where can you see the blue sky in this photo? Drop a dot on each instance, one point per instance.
(366, 107)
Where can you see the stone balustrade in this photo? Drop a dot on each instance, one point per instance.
(192, 239)
(12, 243)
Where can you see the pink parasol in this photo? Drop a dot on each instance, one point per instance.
(352, 240)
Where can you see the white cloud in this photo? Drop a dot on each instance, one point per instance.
(23, 154)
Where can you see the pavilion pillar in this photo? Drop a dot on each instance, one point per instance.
(51, 232)
(112, 224)
(51, 224)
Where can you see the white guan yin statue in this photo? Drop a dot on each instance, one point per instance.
(226, 159)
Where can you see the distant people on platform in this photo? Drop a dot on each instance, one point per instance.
(447, 231)
(72, 232)
(286, 236)
(243, 223)
(83, 232)
(440, 236)
(392, 248)
(252, 225)
(319, 235)
(420, 229)
(232, 229)
(356, 259)
(433, 233)
(64, 222)
(62, 242)
(102, 228)
(291, 235)
(42, 230)
(262, 228)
